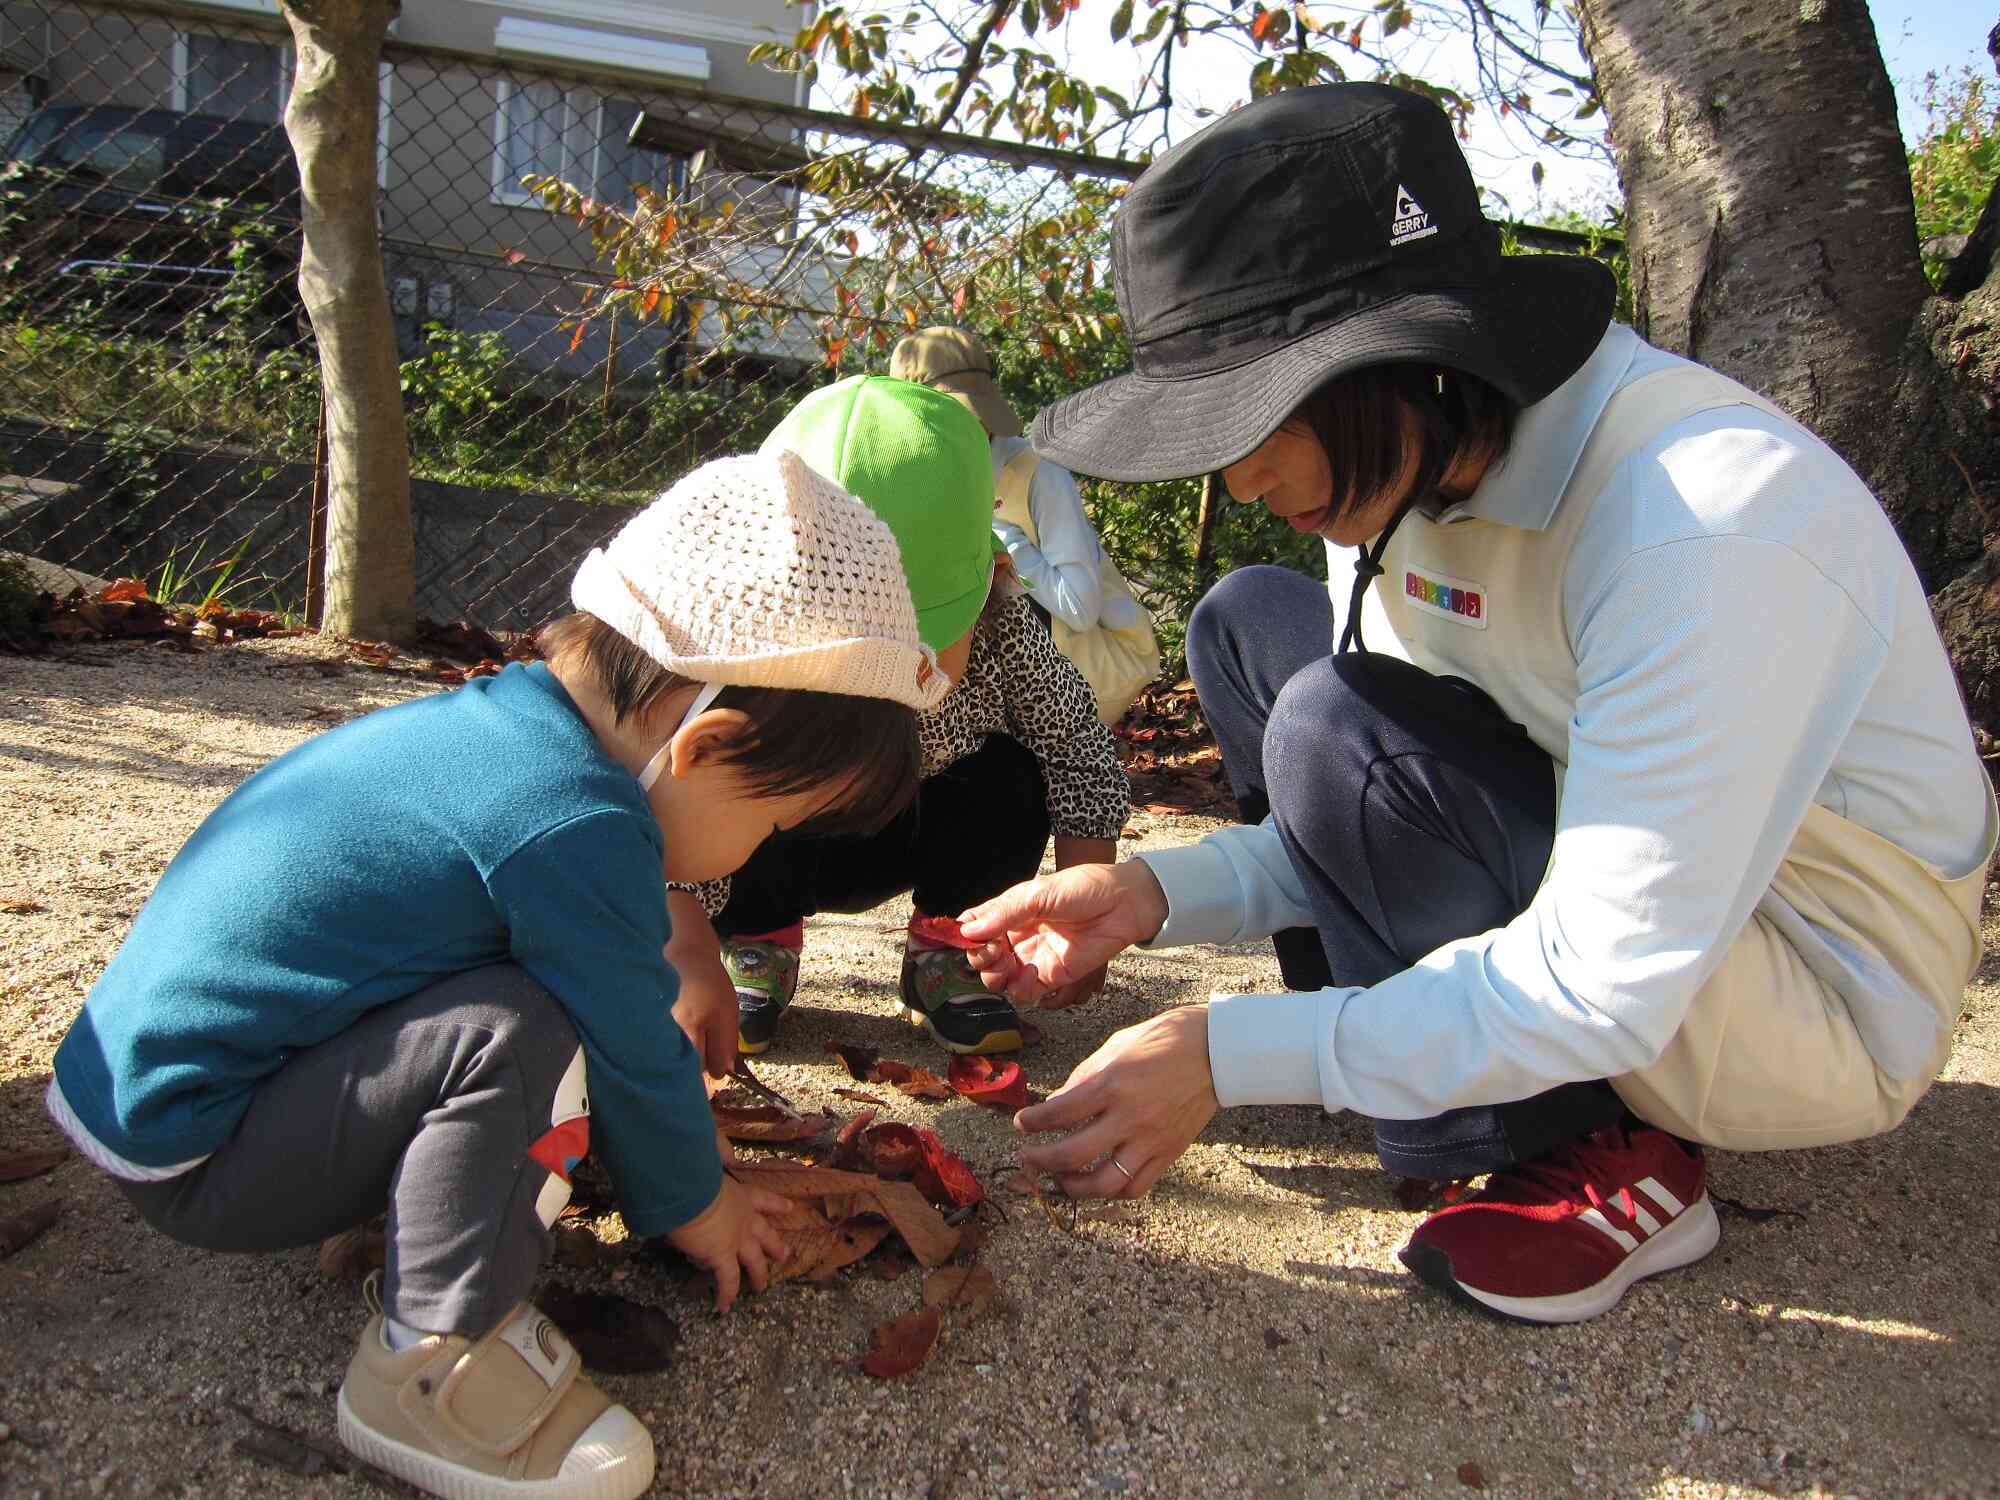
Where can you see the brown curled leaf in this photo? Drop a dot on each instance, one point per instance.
(860, 1098)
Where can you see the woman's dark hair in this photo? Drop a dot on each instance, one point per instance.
(797, 740)
(1359, 421)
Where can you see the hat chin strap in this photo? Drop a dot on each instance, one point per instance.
(1368, 568)
(710, 691)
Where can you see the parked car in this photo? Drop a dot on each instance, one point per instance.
(149, 215)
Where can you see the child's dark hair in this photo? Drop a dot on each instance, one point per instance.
(796, 740)
(1460, 421)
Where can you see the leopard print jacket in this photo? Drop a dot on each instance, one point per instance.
(1017, 683)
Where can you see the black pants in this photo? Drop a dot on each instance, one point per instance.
(1414, 813)
(977, 827)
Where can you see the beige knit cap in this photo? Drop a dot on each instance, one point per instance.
(757, 572)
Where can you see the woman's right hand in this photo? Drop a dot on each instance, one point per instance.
(733, 1238)
(1046, 933)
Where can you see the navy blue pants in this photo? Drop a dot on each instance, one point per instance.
(1414, 812)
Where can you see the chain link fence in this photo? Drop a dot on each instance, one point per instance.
(159, 389)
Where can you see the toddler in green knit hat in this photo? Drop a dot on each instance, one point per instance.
(1013, 755)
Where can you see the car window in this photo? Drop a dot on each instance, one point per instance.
(126, 155)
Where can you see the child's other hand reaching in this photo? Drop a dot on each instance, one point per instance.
(706, 1009)
(733, 1238)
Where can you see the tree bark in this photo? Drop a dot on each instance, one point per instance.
(370, 585)
(1772, 237)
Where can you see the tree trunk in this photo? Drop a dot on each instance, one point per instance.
(1772, 237)
(370, 585)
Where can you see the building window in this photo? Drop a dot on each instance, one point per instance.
(543, 130)
(234, 77)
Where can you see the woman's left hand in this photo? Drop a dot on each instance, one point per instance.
(1133, 1106)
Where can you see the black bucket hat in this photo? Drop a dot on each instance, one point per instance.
(1313, 233)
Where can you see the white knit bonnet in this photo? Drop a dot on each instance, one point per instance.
(755, 571)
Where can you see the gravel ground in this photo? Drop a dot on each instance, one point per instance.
(1245, 1331)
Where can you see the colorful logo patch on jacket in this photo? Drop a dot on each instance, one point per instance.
(1453, 599)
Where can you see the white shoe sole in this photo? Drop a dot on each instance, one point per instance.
(1688, 1239)
(614, 1454)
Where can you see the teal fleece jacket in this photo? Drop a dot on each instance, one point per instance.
(481, 826)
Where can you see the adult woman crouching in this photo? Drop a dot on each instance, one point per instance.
(1635, 808)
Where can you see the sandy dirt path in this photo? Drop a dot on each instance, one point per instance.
(1245, 1331)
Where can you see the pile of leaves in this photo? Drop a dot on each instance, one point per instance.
(124, 610)
(1169, 754)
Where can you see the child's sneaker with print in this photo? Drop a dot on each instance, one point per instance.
(504, 1417)
(765, 971)
(942, 994)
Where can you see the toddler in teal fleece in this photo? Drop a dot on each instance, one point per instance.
(410, 963)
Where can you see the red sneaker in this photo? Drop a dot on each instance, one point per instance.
(1560, 1239)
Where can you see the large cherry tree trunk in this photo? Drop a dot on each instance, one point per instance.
(1772, 237)
(369, 583)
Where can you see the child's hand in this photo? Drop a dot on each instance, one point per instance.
(706, 1009)
(732, 1236)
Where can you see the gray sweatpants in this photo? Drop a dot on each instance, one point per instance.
(430, 1107)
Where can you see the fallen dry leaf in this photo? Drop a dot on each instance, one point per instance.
(898, 1347)
(19, 1166)
(854, 1239)
(918, 1083)
(18, 1231)
(930, 1239)
(961, 1289)
(353, 1253)
(858, 1060)
(984, 1081)
(613, 1334)
(1471, 1476)
(20, 906)
(768, 1124)
(855, 1094)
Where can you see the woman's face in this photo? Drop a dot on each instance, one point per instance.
(1289, 472)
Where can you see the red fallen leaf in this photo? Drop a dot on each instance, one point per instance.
(855, 1094)
(1471, 1475)
(858, 1060)
(898, 1347)
(893, 1150)
(984, 1081)
(122, 588)
(941, 930)
(943, 1178)
(911, 1151)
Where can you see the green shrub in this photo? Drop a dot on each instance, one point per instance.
(1955, 161)
(17, 602)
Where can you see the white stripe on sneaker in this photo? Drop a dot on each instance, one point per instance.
(1643, 1219)
(1660, 1195)
(1604, 1226)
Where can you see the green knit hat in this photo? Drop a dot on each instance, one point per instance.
(919, 459)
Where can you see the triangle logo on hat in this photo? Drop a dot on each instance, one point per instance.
(1410, 221)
